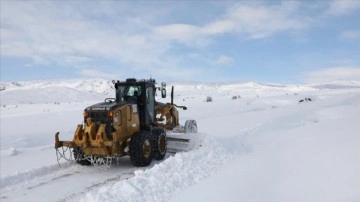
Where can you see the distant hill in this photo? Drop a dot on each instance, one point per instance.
(51, 91)
(78, 90)
(337, 84)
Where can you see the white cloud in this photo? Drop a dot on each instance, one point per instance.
(39, 30)
(342, 7)
(256, 20)
(77, 59)
(97, 74)
(224, 60)
(180, 32)
(353, 34)
(186, 34)
(331, 74)
(219, 27)
(75, 34)
(259, 21)
(252, 20)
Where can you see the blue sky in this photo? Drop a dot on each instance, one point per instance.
(261, 41)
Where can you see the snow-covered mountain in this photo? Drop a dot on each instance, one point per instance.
(91, 85)
(51, 91)
(79, 90)
(337, 84)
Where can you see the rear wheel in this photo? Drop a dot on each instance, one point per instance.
(141, 149)
(159, 143)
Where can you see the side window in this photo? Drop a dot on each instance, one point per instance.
(120, 93)
(150, 102)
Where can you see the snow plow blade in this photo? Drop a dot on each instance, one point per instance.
(180, 142)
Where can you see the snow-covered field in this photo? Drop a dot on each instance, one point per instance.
(264, 145)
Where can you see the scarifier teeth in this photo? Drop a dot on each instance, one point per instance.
(63, 153)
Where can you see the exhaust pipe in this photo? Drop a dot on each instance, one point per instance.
(172, 95)
(172, 99)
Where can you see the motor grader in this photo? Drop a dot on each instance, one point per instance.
(131, 124)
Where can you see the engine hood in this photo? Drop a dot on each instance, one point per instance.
(104, 106)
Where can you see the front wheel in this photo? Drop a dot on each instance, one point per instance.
(141, 149)
(190, 126)
(159, 143)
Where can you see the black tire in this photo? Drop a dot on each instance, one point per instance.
(190, 126)
(141, 149)
(79, 157)
(159, 143)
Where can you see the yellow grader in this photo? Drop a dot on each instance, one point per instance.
(131, 124)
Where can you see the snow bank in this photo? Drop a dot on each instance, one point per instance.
(309, 154)
(167, 178)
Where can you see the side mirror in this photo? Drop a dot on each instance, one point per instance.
(163, 90)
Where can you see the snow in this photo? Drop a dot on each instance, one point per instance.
(263, 146)
(314, 158)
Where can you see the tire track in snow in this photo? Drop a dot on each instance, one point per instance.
(52, 179)
(73, 196)
(29, 175)
(70, 183)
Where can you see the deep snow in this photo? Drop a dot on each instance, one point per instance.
(262, 146)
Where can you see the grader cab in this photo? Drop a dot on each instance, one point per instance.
(131, 124)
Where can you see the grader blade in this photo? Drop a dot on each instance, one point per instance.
(180, 142)
(177, 145)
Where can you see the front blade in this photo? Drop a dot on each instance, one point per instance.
(180, 142)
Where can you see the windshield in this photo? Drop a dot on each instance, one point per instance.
(123, 93)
